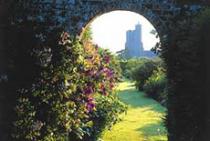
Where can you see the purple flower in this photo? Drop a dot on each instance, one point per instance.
(108, 72)
(88, 90)
(107, 59)
(90, 104)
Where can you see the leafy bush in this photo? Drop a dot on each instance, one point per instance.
(140, 69)
(53, 106)
(143, 72)
(149, 76)
(128, 66)
(156, 85)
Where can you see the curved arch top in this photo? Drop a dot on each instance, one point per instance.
(158, 12)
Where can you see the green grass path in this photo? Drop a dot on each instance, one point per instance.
(143, 121)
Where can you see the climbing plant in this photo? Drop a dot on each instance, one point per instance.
(26, 46)
(60, 104)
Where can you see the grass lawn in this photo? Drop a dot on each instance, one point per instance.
(143, 120)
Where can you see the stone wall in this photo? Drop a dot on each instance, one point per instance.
(3, 28)
(158, 12)
(3, 66)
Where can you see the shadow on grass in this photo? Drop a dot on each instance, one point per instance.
(137, 99)
(154, 131)
(143, 119)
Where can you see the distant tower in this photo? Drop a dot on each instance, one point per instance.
(139, 44)
(134, 45)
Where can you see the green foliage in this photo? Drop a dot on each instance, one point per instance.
(129, 66)
(61, 104)
(52, 101)
(87, 35)
(156, 86)
(143, 72)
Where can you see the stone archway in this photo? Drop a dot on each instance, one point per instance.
(158, 12)
(80, 12)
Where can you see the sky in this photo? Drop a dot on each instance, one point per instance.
(109, 30)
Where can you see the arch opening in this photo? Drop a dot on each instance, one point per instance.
(132, 32)
(116, 25)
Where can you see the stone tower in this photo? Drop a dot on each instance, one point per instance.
(134, 45)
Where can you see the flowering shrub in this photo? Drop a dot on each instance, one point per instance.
(61, 103)
(106, 115)
(103, 71)
(55, 104)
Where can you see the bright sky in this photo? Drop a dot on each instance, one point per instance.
(109, 30)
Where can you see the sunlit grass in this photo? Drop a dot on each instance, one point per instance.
(143, 121)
